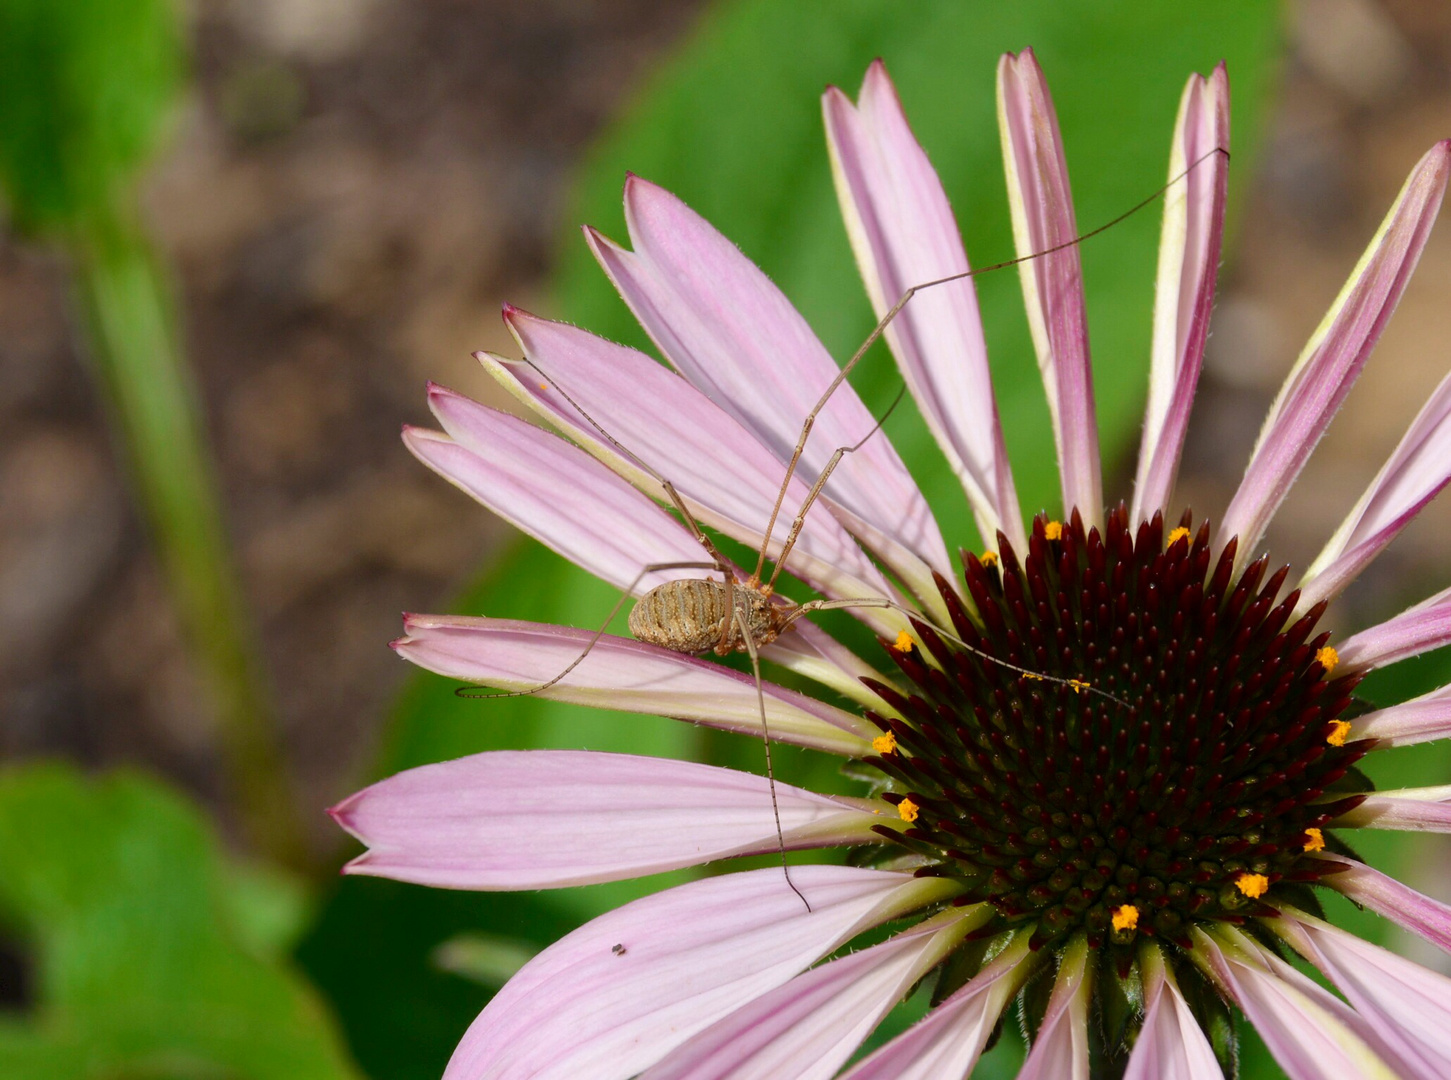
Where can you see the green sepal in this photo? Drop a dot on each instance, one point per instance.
(1120, 1001)
(1033, 1001)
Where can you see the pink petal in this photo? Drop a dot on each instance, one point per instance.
(554, 491)
(904, 233)
(1336, 352)
(1398, 902)
(1409, 1006)
(1417, 470)
(571, 502)
(1188, 263)
(1042, 208)
(806, 1029)
(626, 675)
(1414, 631)
(1312, 1034)
(728, 329)
(1426, 809)
(947, 1044)
(1419, 720)
(541, 819)
(1172, 1045)
(1060, 1052)
(728, 479)
(616, 995)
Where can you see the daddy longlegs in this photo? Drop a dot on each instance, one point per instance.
(697, 615)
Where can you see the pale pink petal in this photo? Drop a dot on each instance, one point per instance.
(1419, 720)
(1417, 470)
(1312, 1034)
(1409, 1006)
(541, 819)
(1060, 1052)
(1414, 631)
(1331, 361)
(808, 1028)
(1398, 902)
(626, 675)
(555, 492)
(571, 502)
(1042, 210)
(1171, 1045)
(728, 329)
(947, 1044)
(727, 479)
(1188, 264)
(619, 993)
(1426, 809)
(904, 233)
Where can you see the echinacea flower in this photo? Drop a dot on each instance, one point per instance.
(1116, 759)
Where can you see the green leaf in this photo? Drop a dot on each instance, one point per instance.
(86, 87)
(115, 887)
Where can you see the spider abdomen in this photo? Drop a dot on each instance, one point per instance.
(692, 615)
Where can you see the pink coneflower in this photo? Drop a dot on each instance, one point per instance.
(1129, 865)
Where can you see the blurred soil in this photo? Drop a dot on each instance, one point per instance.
(356, 186)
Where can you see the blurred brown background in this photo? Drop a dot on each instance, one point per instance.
(353, 190)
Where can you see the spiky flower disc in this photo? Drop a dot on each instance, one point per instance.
(1181, 759)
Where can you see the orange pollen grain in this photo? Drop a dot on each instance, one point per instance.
(904, 642)
(1338, 732)
(885, 744)
(1252, 885)
(1078, 686)
(1178, 534)
(1125, 917)
(1327, 658)
(988, 558)
(1314, 840)
(907, 810)
(1053, 530)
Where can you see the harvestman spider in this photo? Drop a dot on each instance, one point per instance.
(699, 615)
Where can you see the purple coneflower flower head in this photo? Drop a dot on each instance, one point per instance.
(1115, 758)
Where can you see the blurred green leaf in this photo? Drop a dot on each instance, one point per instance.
(86, 87)
(114, 886)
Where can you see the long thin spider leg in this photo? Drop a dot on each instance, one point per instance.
(754, 654)
(1076, 685)
(902, 300)
(799, 521)
(471, 691)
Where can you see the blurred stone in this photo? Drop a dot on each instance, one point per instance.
(1354, 46)
(60, 522)
(1247, 345)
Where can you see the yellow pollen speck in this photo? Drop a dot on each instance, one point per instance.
(1053, 530)
(885, 744)
(1338, 731)
(1033, 675)
(1178, 534)
(544, 386)
(1252, 885)
(988, 558)
(1327, 658)
(907, 810)
(1125, 917)
(1078, 686)
(904, 642)
(1314, 840)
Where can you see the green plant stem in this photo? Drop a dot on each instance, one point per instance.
(126, 303)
